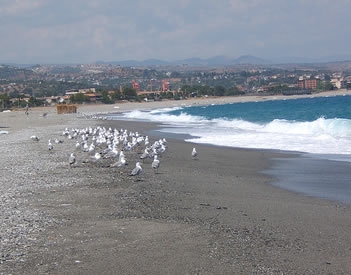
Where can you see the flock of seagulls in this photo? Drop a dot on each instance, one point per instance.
(94, 144)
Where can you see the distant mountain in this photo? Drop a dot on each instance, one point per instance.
(135, 63)
(191, 61)
(212, 61)
(150, 62)
(308, 60)
(216, 61)
(249, 59)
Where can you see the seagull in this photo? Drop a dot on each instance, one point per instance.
(113, 153)
(50, 146)
(93, 158)
(57, 141)
(194, 154)
(155, 164)
(72, 160)
(145, 154)
(121, 161)
(34, 138)
(137, 170)
(77, 144)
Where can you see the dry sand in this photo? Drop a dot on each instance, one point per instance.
(214, 215)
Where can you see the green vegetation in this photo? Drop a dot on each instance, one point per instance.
(32, 85)
(79, 98)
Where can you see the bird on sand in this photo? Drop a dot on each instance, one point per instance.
(145, 154)
(155, 164)
(194, 153)
(34, 138)
(50, 146)
(121, 161)
(137, 170)
(72, 160)
(92, 159)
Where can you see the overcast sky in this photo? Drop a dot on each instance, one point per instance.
(85, 31)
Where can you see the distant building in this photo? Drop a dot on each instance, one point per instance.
(338, 82)
(94, 97)
(83, 91)
(310, 84)
(166, 86)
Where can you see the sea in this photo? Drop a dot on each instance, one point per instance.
(316, 130)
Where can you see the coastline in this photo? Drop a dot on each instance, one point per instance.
(218, 214)
(128, 106)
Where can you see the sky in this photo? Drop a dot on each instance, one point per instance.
(86, 31)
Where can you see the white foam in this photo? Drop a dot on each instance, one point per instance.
(321, 136)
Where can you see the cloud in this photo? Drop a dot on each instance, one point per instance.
(18, 7)
(89, 30)
(245, 5)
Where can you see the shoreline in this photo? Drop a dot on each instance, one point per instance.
(92, 109)
(128, 106)
(214, 215)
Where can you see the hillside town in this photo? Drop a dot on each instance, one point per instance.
(46, 85)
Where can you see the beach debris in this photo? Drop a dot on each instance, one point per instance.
(155, 164)
(194, 153)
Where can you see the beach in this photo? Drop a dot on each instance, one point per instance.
(217, 214)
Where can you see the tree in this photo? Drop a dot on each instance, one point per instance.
(219, 91)
(116, 95)
(79, 98)
(325, 86)
(106, 98)
(5, 101)
(129, 93)
(233, 91)
(35, 102)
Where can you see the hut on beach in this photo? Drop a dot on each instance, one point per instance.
(66, 108)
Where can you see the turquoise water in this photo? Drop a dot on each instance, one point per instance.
(306, 109)
(317, 129)
(320, 125)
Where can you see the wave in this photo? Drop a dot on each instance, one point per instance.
(161, 115)
(321, 136)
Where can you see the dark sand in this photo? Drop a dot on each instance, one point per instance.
(214, 215)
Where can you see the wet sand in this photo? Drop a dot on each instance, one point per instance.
(215, 215)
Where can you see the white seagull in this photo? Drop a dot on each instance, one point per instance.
(194, 154)
(155, 164)
(121, 161)
(145, 154)
(50, 146)
(93, 158)
(137, 170)
(72, 160)
(34, 138)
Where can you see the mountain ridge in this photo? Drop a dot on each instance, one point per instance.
(214, 61)
(222, 60)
